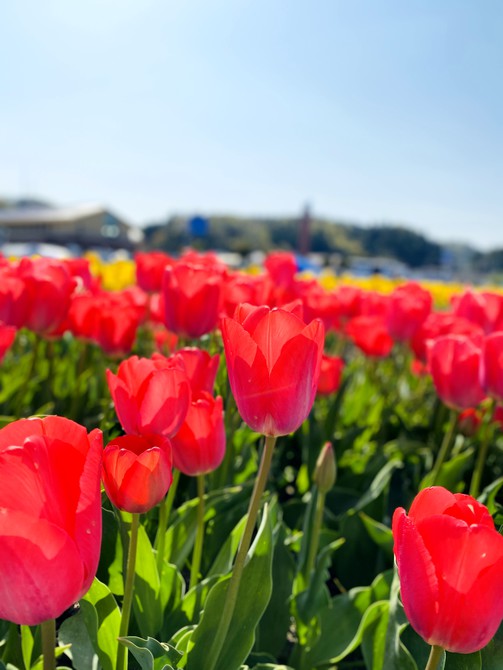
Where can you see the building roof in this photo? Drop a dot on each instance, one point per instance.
(44, 214)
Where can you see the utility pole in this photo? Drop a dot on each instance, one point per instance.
(304, 240)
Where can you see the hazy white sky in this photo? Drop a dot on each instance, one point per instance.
(385, 111)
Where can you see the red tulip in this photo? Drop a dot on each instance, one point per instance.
(469, 421)
(151, 396)
(442, 323)
(35, 293)
(373, 303)
(107, 319)
(239, 287)
(498, 416)
(199, 445)
(282, 267)
(491, 366)
(165, 340)
(484, 309)
(349, 299)
(330, 374)
(192, 298)
(7, 337)
(408, 307)
(50, 521)
(318, 303)
(450, 563)
(369, 333)
(137, 471)
(13, 299)
(454, 363)
(273, 361)
(48, 288)
(150, 268)
(201, 368)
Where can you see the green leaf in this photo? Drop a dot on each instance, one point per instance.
(275, 622)
(253, 596)
(493, 652)
(309, 602)
(147, 604)
(379, 484)
(271, 666)
(465, 661)
(379, 533)
(27, 644)
(381, 645)
(225, 558)
(73, 631)
(188, 610)
(181, 533)
(451, 473)
(151, 654)
(488, 495)
(102, 619)
(341, 626)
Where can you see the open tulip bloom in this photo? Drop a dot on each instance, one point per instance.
(450, 563)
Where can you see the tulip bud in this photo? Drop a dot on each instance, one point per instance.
(325, 471)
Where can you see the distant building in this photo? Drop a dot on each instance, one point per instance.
(84, 227)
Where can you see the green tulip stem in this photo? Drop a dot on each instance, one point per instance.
(485, 437)
(164, 512)
(128, 591)
(315, 534)
(435, 658)
(198, 545)
(445, 446)
(48, 630)
(233, 587)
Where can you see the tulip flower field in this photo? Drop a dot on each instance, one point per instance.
(205, 468)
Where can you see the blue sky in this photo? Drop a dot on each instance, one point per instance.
(369, 110)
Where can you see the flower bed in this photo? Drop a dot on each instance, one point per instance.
(257, 470)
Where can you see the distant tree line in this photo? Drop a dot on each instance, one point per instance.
(244, 235)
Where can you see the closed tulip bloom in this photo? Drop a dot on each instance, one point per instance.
(50, 521)
(491, 365)
(454, 364)
(437, 324)
(369, 333)
(408, 307)
(137, 471)
(199, 445)
(282, 267)
(108, 319)
(330, 374)
(484, 309)
(450, 563)
(48, 289)
(273, 361)
(151, 396)
(150, 266)
(14, 303)
(192, 298)
(201, 368)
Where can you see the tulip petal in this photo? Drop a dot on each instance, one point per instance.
(47, 579)
(430, 501)
(469, 566)
(165, 402)
(418, 580)
(273, 331)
